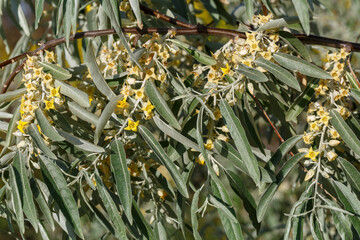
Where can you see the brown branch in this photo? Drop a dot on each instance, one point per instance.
(12, 76)
(282, 140)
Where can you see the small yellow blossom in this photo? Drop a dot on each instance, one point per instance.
(250, 37)
(29, 87)
(325, 119)
(132, 126)
(309, 175)
(308, 138)
(225, 70)
(21, 125)
(127, 91)
(312, 154)
(314, 126)
(200, 159)
(150, 73)
(122, 103)
(54, 92)
(148, 107)
(139, 94)
(334, 134)
(209, 144)
(49, 104)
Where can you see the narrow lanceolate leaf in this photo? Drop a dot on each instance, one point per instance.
(39, 141)
(24, 189)
(352, 174)
(296, 44)
(301, 101)
(12, 126)
(302, 10)
(171, 132)
(193, 209)
(232, 228)
(353, 81)
(22, 20)
(252, 73)
(160, 104)
(350, 201)
(135, 6)
(143, 225)
(96, 75)
(11, 95)
(249, 9)
(61, 193)
(227, 151)
(46, 126)
(105, 116)
(342, 223)
(82, 113)
(111, 208)
(355, 93)
(56, 71)
(239, 187)
(199, 56)
(165, 160)
(38, 11)
(281, 152)
(345, 132)
(79, 143)
(16, 200)
(112, 11)
(300, 65)
(225, 209)
(237, 132)
(278, 23)
(280, 73)
(122, 176)
(271, 190)
(75, 94)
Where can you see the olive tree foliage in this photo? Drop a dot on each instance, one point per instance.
(152, 119)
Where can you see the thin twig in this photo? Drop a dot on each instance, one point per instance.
(352, 72)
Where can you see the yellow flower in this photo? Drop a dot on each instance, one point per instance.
(29, 87)
(127, 91)
(314, 126)
(149, 73)
(122, 103)
(139, 94)
(312, 154)
(308, 138)
(334, 134)
(200, 159)
(38, 72)
(47, 78)
(254, 46)
(148, 107)
(132, 126)
(209, 144)
(54, 92)
(225, 70)
(325, 119)
(21, 125)
(49, 104)
(39, 128)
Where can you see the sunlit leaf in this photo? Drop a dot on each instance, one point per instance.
(56, 71)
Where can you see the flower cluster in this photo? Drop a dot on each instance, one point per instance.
(40, 90)
(330, 96)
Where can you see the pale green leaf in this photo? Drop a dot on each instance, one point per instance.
(160, 104)
(353, 81)
(82, 113)
(105, 116)
(11, 95)
(342, 223)
(249, 9)
(199, 56)
(96, 75)
(24, 189)
(16, 200)
(237, 132)
(80, 143)
(280, 73)
(278, 23)
(46, 126)
(110, 207)
(300, 65)
(165, 160)
(22, 20)
(352, 174)
(345, 131)
(301, 101)
(271, 190)
(39, 141)
(61, 193)
(39, 7)
(296, 44)
(135, 6)
(193, 209)
(302, 9)
(122, 176)
(252, 73)
(221, 206)
(74, 93)
(56, 71)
